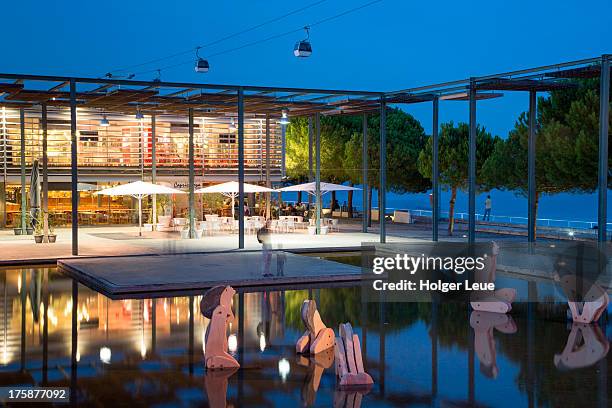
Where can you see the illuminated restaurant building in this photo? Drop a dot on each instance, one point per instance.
(115, 148)
(90, 133)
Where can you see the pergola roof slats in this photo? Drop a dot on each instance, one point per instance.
(502, 84)
(159, 97)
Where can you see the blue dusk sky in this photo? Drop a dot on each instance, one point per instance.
(388, 45)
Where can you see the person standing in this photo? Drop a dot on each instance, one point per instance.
(487, 211)
(264, 238)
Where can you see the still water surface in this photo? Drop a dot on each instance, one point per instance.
(149, 352)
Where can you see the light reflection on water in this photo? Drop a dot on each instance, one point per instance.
(150, 351)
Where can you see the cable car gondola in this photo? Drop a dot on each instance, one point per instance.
(303, 49)
(202, 65)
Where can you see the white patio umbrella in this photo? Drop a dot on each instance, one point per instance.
(138, 190)
(311, 188)
(230, 189)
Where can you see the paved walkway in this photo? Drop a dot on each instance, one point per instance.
(116, 241)
(124, 240)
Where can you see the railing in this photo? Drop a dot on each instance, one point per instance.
(495, 219)
(514, 220)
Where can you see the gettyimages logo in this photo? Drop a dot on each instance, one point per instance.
(454, 271)
(422, 272)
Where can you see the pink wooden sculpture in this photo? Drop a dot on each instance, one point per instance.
(586, 345)
(483, 324)
(349, 363)
(317, 336)
(498, 301)
(595, 301)
(217, 306)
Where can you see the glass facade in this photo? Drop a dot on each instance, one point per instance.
(123, 151)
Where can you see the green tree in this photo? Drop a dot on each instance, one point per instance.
(453, 159)
(566, 145)
(405, 139)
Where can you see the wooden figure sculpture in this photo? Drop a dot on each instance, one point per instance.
(483, 324)
(586, 345)
(317, 336)
(349, 362)
(216, 305)
(578, 270)
(316, 364)
(594, 303)
(498, 301)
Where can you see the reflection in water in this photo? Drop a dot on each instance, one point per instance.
(483, 324)
(148, 352)
(316, 365)
(585, 346)
(215, 384)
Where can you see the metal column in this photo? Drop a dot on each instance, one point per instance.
(472, 167)
(435, 172)
(22, 148)
(154, 167)
(74, 175)
(310, 172)
(268, 180)
(531, 169)
(240, 168)
(318, 197)
(382, 189)
(191, 178)
(604, 123)
(283, 150)
(45, 171)
(364, 175)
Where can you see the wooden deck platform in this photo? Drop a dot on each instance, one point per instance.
(160, 275)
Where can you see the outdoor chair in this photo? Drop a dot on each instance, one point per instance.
(335, 225)
(273, 225)
(290, 225)
(179, 223)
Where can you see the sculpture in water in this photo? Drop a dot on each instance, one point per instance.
(498, 301)
(349, 361)
(317, 336)
(216, 305)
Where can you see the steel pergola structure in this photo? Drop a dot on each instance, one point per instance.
(110, 95)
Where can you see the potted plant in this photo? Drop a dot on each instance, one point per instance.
(38, 228)
(29, 228)
(148, 226)
(52, 237)
(17, 229)
(164, 219)
(185, 232)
